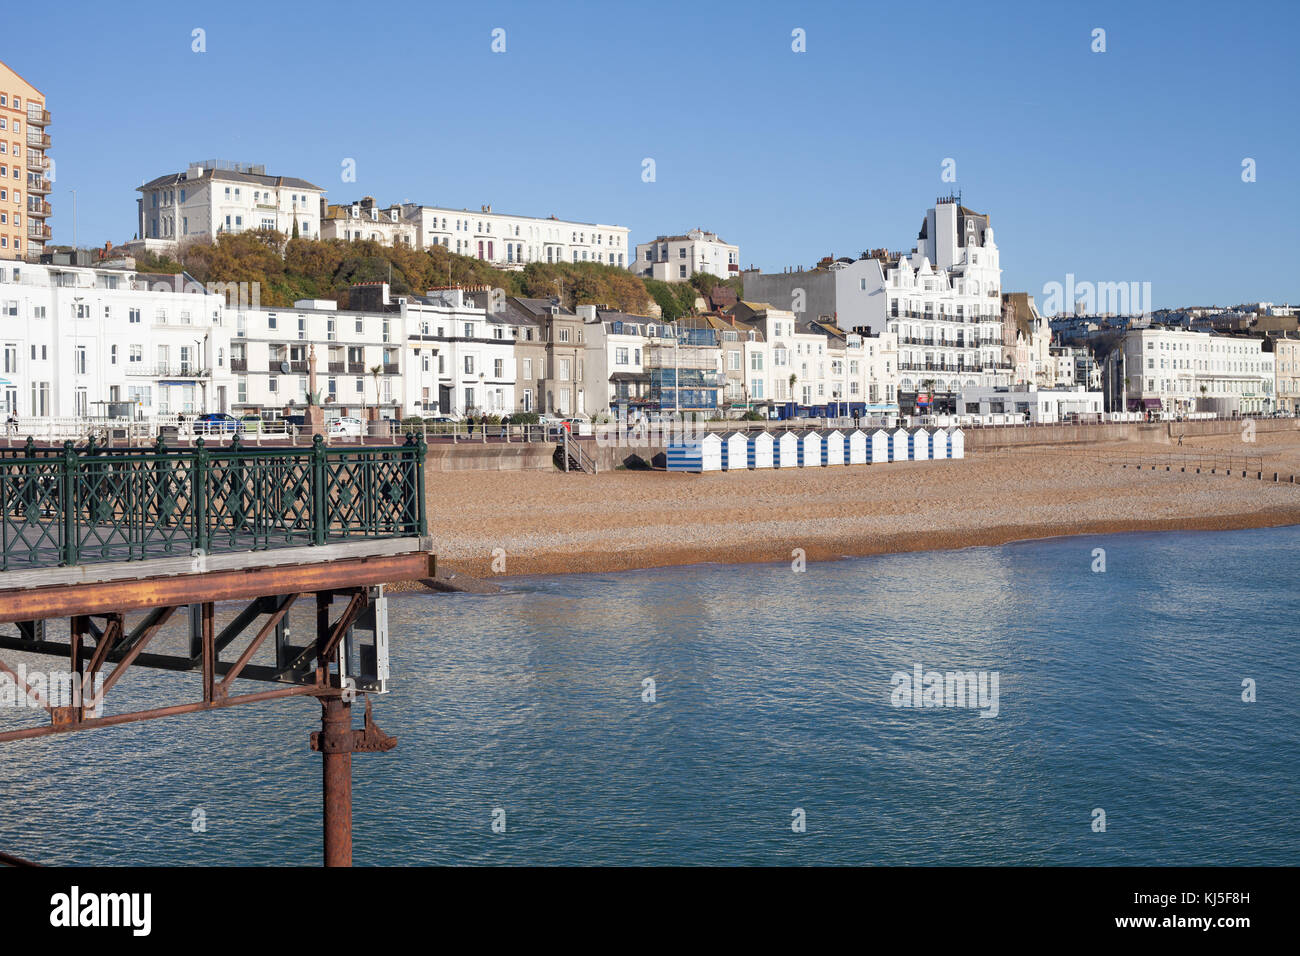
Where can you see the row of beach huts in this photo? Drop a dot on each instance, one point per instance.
(808, 448)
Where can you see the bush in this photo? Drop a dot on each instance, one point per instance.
(524, 418)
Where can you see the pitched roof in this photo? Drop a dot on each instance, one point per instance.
(228, 175)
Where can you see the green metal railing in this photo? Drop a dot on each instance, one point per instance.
(69, 506)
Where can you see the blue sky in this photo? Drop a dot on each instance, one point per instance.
(1115, 166)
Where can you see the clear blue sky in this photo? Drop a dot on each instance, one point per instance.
(1116, 166)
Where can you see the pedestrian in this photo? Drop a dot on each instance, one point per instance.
(469, 420)
(11, 425)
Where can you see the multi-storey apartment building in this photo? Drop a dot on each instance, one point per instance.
(25, 168)
(359, 355)
(216, 196)
(365, 220)
(463, 354)
(677, 258)
(1175, 371)
(1286, 360)
(943, 301)
(508, 241)
(81, 342)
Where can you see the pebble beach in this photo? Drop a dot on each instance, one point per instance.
(555, 523)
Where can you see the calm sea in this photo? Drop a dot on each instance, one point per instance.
(1118, 691)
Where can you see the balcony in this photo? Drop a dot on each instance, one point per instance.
(39, 185)
(37, 116)
(39, 232)
(357, 368)
(38, 208)
(390, 368)
(183, 370)
(281, 367)
(239, 365)
(38, 161)
(335, 367)
(37, 140)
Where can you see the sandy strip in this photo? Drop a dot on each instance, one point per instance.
(552, 523)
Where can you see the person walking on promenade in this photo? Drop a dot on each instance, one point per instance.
(469, 420)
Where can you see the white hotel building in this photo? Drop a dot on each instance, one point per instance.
(943, 301)
(216, 196)
(1176, 371)
(92, 342)
(510, 242)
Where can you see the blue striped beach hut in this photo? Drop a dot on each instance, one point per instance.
(787, 450)
(939, 444)
(810, 449)
(879, 446)
(899, 449)
(735, 452)
(920, 445)
(833, 447)
(702, 454)
(956, 444)
(761, 450)
(857, 447)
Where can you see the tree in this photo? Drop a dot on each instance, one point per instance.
(375, 372)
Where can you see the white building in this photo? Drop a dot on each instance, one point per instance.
(359, 360)
(943, 301)
(215, 196)
(1039, 406)
(677, 258)
(92, 342)
(365, 220)
(463, 354)
(1176, 371)
(508, 241)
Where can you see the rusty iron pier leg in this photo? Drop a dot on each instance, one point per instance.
(336, 778)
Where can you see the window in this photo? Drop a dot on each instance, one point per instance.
(498, 368)
(469, 365)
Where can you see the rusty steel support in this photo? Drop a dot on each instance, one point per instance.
(335, 744)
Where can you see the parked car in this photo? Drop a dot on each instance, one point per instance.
(217, 423)
(345, 428)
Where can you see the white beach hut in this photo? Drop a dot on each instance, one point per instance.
(760, 450)
(833, 447)
(879, 446)
(856, 447)
(898, 450)
(939, 444)
(956, 444)
(704, 454)
(810, 449)
(787, 450)
(920, 445)
(735, 452)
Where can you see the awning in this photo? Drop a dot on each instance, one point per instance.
(630, 377)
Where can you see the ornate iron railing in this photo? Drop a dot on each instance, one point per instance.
(70, 506)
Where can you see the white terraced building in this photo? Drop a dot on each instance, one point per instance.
(82, 342)
(462, 356)
(509, 242)
(1174, 371)
(359, 360)
(216, 196)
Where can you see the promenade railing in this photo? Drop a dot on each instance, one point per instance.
(66, 506)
